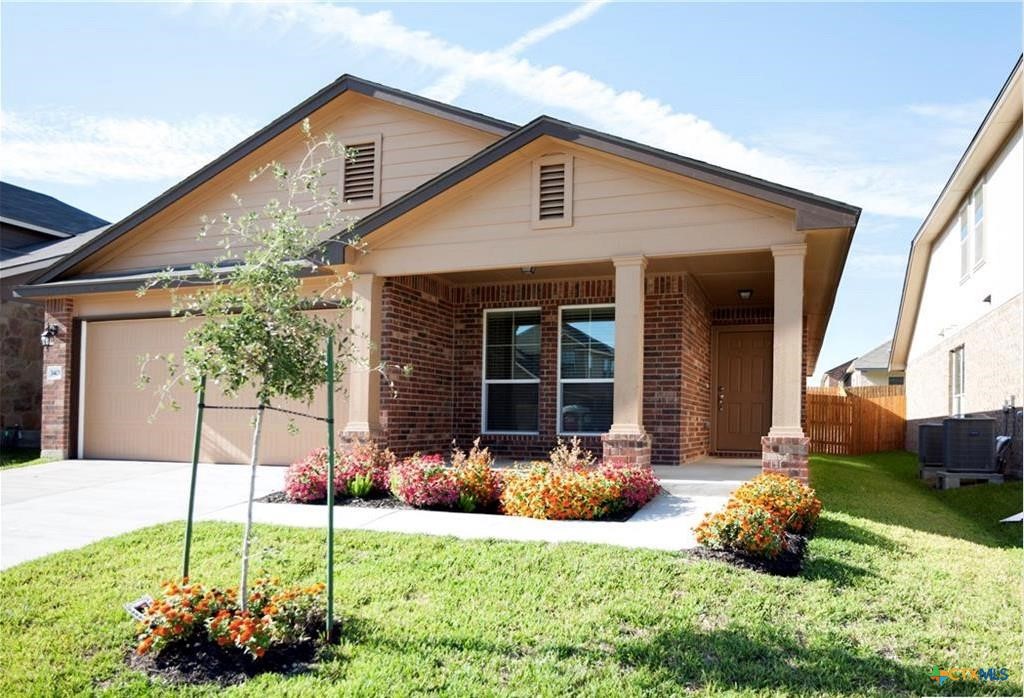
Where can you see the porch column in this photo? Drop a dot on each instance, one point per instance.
(363, 375)
(785, 448)
(626, 441)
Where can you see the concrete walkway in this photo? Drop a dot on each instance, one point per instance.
(68, 504)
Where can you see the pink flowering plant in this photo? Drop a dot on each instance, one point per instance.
(425, 481)
(306, 479)
(479, 482)
(362, 471)
(635, 484)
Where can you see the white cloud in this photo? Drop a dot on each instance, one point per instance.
(72, 148)
(879, 187)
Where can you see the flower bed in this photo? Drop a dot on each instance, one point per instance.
(764, 525)
(568, 486)
(191, 633)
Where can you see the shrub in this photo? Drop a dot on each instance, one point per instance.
(479, 482)
(742, 527)
(794, 502)
(306, 480)
(549, 492)
(571, 455)
(365, 459)
(361, 486)
(425, 481)
(636, 484)
(276, 616)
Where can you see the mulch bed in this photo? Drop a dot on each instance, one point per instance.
(201, 661)
(390, 502)
(788, 563)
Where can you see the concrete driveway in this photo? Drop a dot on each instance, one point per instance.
(67, 504)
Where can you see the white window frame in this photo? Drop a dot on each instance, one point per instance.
(611, 380)
(349, 142)
(484, 382)
(565, 221)
(963, 228)
(957, 399)
(978, 241)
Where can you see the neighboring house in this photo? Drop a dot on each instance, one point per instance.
(871, 369)
(837, 376)
(35, 231)
(958, 336)
(542, 280)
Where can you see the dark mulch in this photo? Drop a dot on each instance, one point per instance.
(390, 502)
(788, 563)
(202, 661)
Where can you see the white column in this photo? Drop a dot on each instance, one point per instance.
(788, 340)
(629, 345)
(363, 376)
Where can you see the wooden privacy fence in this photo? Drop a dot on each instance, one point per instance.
(852, 421)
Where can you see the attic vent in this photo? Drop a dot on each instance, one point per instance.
(360, 172)
(552, 191)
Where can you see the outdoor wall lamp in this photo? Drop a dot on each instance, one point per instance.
(46, 338)
(745, 294)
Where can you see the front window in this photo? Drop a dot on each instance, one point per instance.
(956, 381)
(511, 370)
(586, 369)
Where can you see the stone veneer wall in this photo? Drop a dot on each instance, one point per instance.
(22, 394)
(442, 397)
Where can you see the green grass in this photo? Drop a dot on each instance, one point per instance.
(898, 579)
(20, 457)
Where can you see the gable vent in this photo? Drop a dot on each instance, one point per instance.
(551, 201)
(360, 172)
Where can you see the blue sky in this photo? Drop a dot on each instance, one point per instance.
(106, 105)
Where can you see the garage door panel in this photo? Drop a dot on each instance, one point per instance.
(121, 420)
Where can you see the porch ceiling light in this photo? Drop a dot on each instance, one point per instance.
(529, 270)
(46, 338)
(745, 294)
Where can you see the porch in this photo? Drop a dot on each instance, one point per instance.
(662, 361)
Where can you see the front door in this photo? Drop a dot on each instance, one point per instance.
(743, 389)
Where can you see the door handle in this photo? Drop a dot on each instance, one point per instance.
(721, 398)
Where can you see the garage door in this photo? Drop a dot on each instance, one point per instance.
(119, 420)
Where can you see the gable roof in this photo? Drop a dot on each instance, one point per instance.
(838, 373)
(1002, 120)
(39, 257)
(812, 211)
(345, 83)
(43, 213)
(873, 360)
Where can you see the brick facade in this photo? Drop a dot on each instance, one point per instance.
(437, 328)
(416, 410)
(57, 428)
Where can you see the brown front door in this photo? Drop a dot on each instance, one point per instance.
(743, 389)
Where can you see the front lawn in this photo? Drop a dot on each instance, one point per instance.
(899, 579)
(20, 457)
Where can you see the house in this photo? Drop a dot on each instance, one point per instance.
(35, 231)
(958, 334)
(870, 369)
(542, 280)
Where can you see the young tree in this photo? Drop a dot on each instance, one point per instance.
(257, 330)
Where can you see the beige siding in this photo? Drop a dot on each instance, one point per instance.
(619, 208)
(415, 148)
(116, 414)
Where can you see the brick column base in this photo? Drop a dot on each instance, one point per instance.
(56, 432)
(348, 439)
(626, 449)
(785, 455)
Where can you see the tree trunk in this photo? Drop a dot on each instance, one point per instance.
(243, 588)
